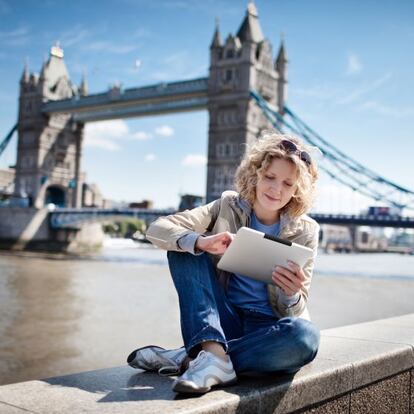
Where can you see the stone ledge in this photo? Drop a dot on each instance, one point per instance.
(353, 362)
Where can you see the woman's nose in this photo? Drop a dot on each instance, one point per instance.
(276, 187)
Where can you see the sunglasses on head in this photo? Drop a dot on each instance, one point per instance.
(291, 147)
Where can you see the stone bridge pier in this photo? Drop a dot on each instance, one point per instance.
(29, 229)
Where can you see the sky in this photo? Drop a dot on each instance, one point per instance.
(350, 79)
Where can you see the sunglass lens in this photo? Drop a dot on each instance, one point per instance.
(304, 156)
(288, 145)
(291, 147)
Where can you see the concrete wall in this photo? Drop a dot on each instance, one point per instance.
(360, 369)
(6, 178)
(28, 223)
(28, 229)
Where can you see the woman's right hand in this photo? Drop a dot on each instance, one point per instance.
(215, 244)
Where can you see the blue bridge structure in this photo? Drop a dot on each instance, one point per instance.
(71, 218)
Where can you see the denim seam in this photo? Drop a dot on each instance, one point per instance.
(201, 340)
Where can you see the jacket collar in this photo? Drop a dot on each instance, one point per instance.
(288, 225)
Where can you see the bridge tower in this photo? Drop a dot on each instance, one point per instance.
(49, 147)
(242, 63)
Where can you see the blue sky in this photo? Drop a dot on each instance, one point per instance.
(350, 78)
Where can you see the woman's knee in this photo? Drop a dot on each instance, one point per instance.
(305, 338)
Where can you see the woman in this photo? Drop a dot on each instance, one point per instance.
(232, 324)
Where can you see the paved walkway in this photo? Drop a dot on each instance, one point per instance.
(359, 368)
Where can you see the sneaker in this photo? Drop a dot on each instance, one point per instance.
(205, 372)
(157, 359)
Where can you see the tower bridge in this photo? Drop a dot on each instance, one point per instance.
(159, 99)
(53, 112)
(244, 93)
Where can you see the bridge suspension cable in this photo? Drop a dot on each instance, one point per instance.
(336, 164)
(6, 140)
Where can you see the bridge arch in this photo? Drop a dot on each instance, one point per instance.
(55, 194)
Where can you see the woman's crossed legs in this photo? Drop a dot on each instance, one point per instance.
(255, 342)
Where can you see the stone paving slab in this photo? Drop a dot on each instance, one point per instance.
(349, 357)
(393, 330)
(10, 409)
(124, 390)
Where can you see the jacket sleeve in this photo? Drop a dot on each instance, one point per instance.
(282, 307)
(166, 231)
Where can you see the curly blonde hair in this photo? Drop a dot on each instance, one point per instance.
(257, 160)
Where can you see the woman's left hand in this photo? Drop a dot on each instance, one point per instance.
(290, 279)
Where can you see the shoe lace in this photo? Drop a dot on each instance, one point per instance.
(200, 358)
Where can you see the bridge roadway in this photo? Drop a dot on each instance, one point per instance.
(73, 218)
(161, 98)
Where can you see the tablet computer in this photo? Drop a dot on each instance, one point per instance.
(255, 254)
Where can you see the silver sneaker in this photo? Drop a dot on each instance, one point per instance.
(157, 359)
(205, 372)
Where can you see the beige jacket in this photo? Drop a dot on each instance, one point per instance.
(229, 213)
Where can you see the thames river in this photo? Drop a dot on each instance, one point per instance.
(63, 314)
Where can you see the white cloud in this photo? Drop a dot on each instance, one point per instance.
(102, 143)
(150, 157)
(179, 65)
(73, 36)
(335, 94)
(360, 91)
(194, 160)
(16, 37)
(141, 136)
(141, 33)
(109, 47)
(103, 134)
(354, 65)
(110, 134)
(321, 92)
(339, 199)
(164, 131)
(381, 109)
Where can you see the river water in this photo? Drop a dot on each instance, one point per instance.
(63, 314)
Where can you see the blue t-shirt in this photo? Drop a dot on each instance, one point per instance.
(245, 292)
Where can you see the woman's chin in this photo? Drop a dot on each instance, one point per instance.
(272, 202)
(273, 207)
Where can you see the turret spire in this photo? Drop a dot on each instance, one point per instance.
(83, 88)
(281, 66)
(25, 75)
(281, 59)
(44, 66)
(216, 42)
(250, 30)
(251, 9)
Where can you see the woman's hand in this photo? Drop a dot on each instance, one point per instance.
(215, 244)
(290, 280)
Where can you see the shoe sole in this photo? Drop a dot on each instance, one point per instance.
(185, 387)
(133, 355)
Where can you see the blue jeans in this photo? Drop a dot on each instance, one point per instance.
(255, 342)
